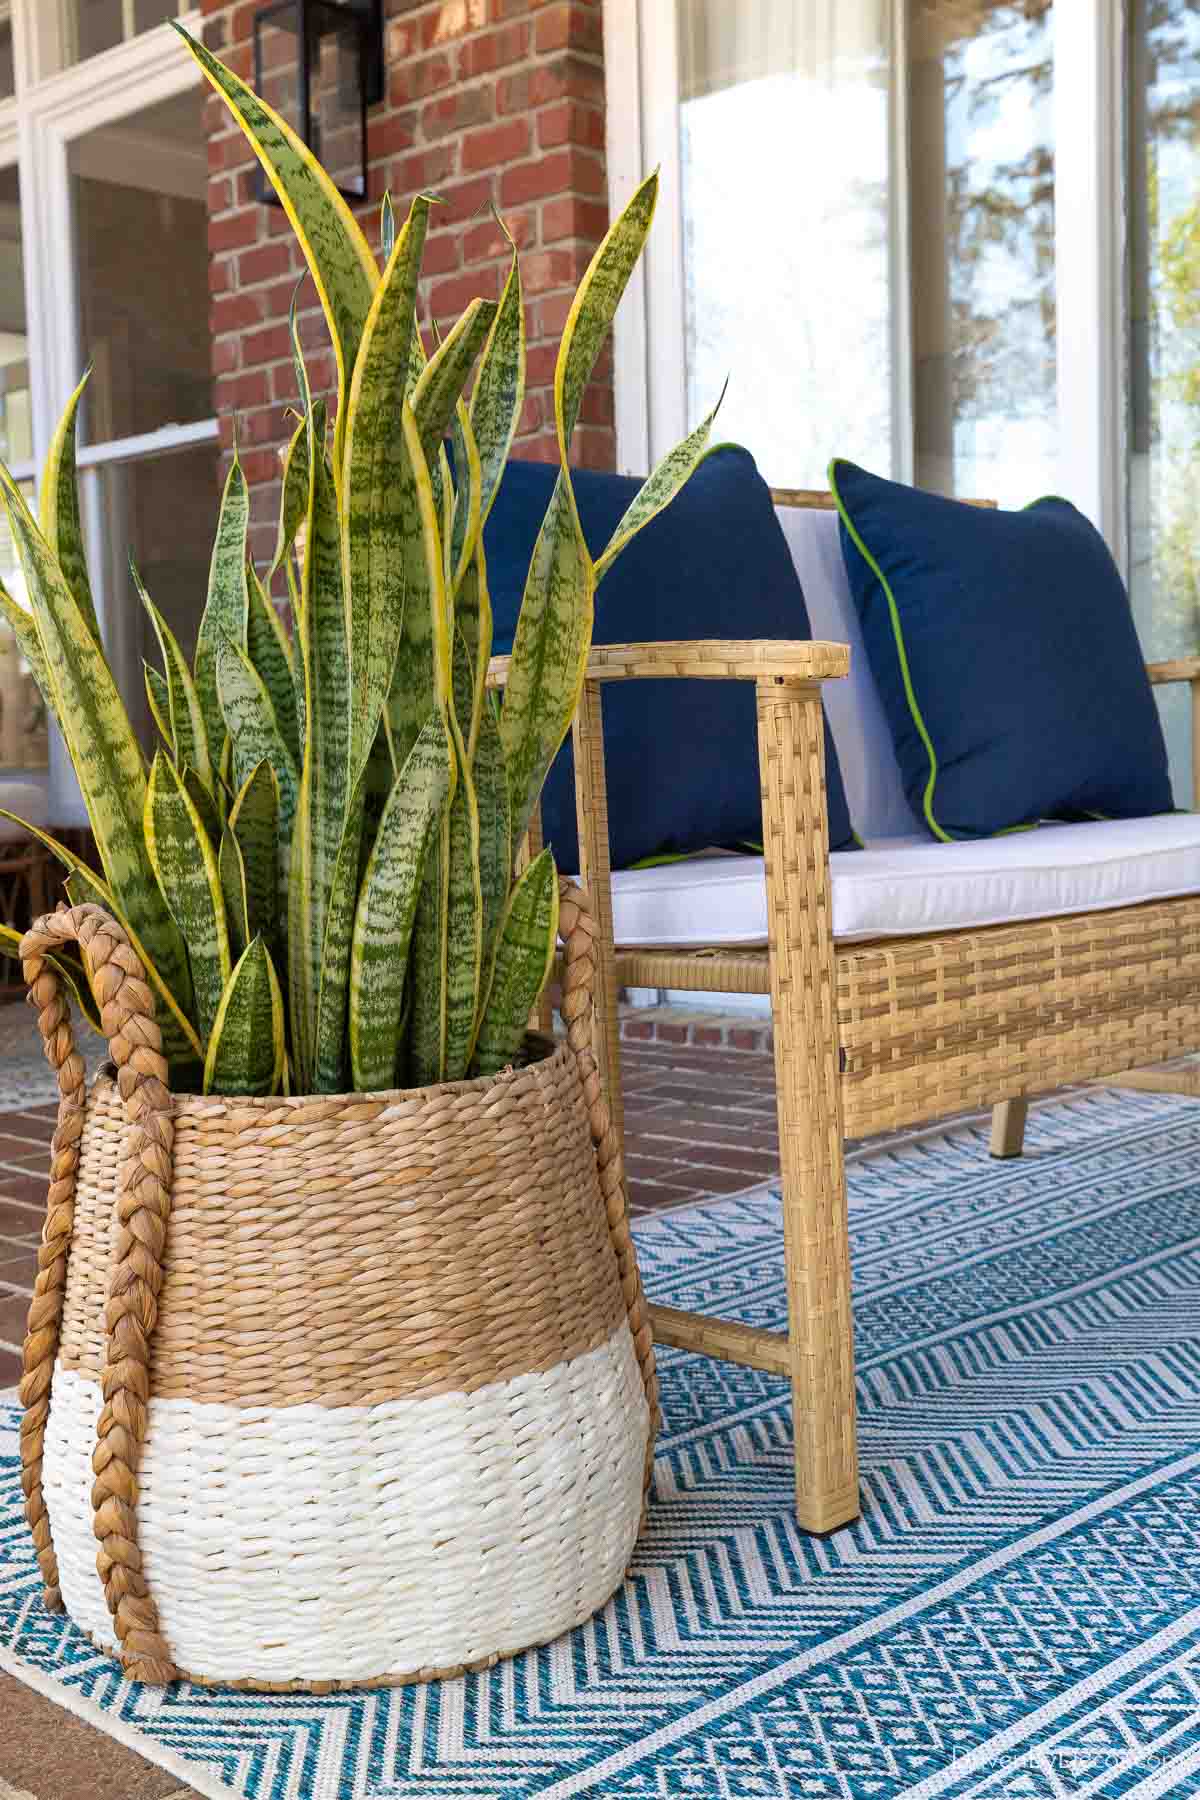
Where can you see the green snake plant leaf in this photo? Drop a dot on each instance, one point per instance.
(246, 1051)
(463, 918)
(524, 957)
(69, 970)
(188, 735)
(439, 387)
(254, 822)
(463, 537)
(105, 754)
(387, 906)
(472, 647)
(255, 735)
(549, 654)
(159, 702)
(495, 826)
(61, 524)
(421, 677)
(180, 1042)
(427, 1036)
(227, 607)
(293, 501)
(499, 391)
(24, 628)
(595, 303)
(383, 562)
(298, 665)
(321, 812)
(338, 255)
(658, 490)
(387, 226)
(329, 1042)
(232, 871)
(204, 804)
(270, 651)
(185, 863)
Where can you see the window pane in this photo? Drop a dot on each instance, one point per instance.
(163, 510)
(141, 239)
(786, 246)
(16, 439)
(95, 25)
(983, 290)
(1164, 424)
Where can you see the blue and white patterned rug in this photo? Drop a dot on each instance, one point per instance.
(1016, 1613)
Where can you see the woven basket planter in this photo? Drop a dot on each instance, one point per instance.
(329, 1391)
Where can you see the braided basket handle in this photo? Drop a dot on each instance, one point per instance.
(578, 930)
(143, 1204)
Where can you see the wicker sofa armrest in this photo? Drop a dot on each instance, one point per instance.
(1183, 668)
(712, 659)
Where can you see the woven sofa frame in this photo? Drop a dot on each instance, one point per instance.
(871, 1036)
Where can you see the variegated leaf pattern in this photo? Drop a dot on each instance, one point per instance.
(499, 391)
(421, 674)
(495, 827)
(188, 732)
(270, 651)
(436, 395)
(549, 654)
(658, 490)
(104, 752)
(383, 553)
(463, 922)
(185, 864)
(338, 255)
(232, 871)
(427, 1033)
(254, 823)
(227, 607)
(203, 802)
(387, 227)
(69, 970)
(387, 905)
(159, 703)
(524, 957)
(246, 1052)
(472, 647)
(329, 1048)
(293, 499)
(255, 736)
(61, 523)
(595, 304)
(23, 626)
(463, 537)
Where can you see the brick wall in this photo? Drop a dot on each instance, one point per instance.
(487, 101)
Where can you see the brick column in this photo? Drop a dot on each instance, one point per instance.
(487, 101)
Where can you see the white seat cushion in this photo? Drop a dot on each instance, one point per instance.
(908, 886)
(25, 796)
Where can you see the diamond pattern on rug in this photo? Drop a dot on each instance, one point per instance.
(1017, 1612)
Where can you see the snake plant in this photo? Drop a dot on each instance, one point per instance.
(320, 865)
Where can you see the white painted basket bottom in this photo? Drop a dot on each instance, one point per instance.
(309, 1543)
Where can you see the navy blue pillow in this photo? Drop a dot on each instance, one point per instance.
(681, 756)
(1004, 650)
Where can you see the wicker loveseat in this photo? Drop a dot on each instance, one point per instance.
(907, 982)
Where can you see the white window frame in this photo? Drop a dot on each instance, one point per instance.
(642, 90)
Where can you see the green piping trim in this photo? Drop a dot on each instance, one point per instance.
(902, 656)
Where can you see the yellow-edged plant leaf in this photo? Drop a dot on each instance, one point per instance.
(387, 226)
(499, 391)
(329, 1043)
(69, 969)
(387, 905)
(524, 957)
(270, 651)
(321, 811)
(472, 647)
(104, 752)
(205, 805)
(246, 1051)
(181, 1045)
(227, 607)
(61, 524)
(255, 736)
(24, 628)
(158, 700)
(293, 500)
(232, 871)
(495, 828)
(595, 303)
(440, 385)
(658, 490)
(383, 554)
(463, 537)
(427, 1032)
(338, 255)
(185, 863)
(188, 735)
(463, 919)
(421, 678)
(254, 823)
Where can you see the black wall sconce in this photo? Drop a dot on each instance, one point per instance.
(320, 64)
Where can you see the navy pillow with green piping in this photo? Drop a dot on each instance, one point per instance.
(1005, 654)
(681, 756)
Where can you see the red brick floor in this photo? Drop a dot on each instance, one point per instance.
(697, 1122)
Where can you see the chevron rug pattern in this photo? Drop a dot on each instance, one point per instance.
(1017, 1613)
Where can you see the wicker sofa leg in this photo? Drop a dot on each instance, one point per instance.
(1008, 1127)
(808, 1088)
